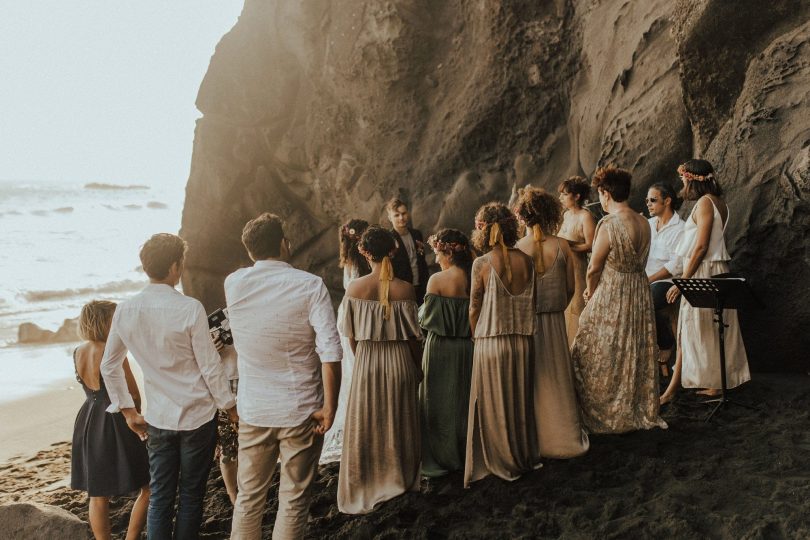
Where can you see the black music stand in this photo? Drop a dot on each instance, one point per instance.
(723, 291)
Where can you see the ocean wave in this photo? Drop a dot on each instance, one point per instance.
(64, 210)
(156, 205)
(133, 206)
(100, 185)
(126, 285)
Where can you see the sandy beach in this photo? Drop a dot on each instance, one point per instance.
(745, 475)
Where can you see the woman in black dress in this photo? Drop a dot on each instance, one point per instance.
(108, 459)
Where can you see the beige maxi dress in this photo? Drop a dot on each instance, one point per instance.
(697, 330)
(500, 432)
(556, 412)
(572, 231)
(615, 354)
(381, 438)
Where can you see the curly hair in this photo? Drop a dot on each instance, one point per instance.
(160, 252)
(349, 236)
(95, 320)
(377, 242)
(576, 185)
(456, 246)
(488, 215)
(694, 190)
(262, 236)
(536, 206)
(613, 180)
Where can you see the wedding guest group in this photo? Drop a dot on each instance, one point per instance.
(521, 348)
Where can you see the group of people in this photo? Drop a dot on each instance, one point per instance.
(541, 327)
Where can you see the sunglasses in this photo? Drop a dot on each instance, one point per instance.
(652, 200)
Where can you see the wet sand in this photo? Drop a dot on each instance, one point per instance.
(745, 475)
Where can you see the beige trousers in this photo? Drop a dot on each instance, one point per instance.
(259, 449)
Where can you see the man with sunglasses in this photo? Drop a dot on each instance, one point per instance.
(663, 264)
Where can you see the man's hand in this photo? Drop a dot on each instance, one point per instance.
(136, 423)
(672, 294)
(217, 339)
(233, 416)
(324, 419)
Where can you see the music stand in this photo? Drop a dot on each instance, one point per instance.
(723, 291)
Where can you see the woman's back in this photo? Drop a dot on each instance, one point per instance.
(87, 361)
(629, 235)
(368, 288)
(507, 306)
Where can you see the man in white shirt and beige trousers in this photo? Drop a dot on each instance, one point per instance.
(289, 357)
(184, 383)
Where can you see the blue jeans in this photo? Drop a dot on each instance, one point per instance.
(184, 458)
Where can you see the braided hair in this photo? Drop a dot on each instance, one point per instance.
(349, 235)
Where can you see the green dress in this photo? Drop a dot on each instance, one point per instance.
(444, 395)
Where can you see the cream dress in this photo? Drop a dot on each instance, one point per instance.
(572, 231)
(556, 411)
(500, 432)
(697, 332)
(381, 437)
(333, 440)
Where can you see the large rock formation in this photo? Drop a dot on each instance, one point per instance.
(23, 521)
(321, 110)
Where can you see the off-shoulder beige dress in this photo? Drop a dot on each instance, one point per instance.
(500, 432)
(572, 231)
(381, 438)
(615, 353)
(556, 412)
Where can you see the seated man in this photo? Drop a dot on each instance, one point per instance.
(662, 263)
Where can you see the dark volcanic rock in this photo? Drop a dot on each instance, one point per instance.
(322, 110)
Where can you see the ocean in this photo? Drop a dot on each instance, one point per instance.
(64, 244)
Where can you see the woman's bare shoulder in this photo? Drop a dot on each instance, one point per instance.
(401, 290)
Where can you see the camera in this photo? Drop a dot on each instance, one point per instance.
(219, 326)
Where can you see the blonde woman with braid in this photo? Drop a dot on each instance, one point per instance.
(556, 412)
(500, 428)
(381, 440)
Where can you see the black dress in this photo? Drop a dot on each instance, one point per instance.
(108, 459)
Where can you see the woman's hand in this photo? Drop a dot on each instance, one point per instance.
(587, 294)
(672, 294)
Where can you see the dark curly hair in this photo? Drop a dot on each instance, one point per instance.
(576, 185)
(486, 216)
(668, 192)
(694, 190)
(349, 235)
(613, 180)
(377, 242)
(536, 206)
(461, 257)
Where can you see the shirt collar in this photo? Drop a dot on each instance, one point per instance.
(160, 287)
(674, 220)
(268, 263)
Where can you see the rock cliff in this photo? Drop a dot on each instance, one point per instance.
(321, 110)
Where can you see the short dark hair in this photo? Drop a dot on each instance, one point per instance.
(262, 236)
(576, 185)
(394, 203)
(160, 252)
(668, 192)
(488, 215)
(536, 206)
(613, 180)
(694, 190)
(377, 242)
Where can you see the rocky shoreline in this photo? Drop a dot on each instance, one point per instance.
(745, 475)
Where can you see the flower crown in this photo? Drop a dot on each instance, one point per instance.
(692, 177)
(445, 247)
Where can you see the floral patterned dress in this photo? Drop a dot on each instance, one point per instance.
(615, 350)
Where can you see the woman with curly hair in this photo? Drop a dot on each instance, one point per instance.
(578, 228)
(500, 432)
(354, 265)
(703, 252)
(556, 412)
(380, 457)
(444, 395)
(615, 356)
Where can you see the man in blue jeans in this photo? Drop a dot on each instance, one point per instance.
(184, 383)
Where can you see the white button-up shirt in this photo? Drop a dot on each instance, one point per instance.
(167, 334)
(662, 247)
(283, 328)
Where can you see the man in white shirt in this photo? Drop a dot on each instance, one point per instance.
(289, 357)
(663, 264)
(184, 383)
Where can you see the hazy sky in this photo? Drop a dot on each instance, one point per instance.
(104, 90)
